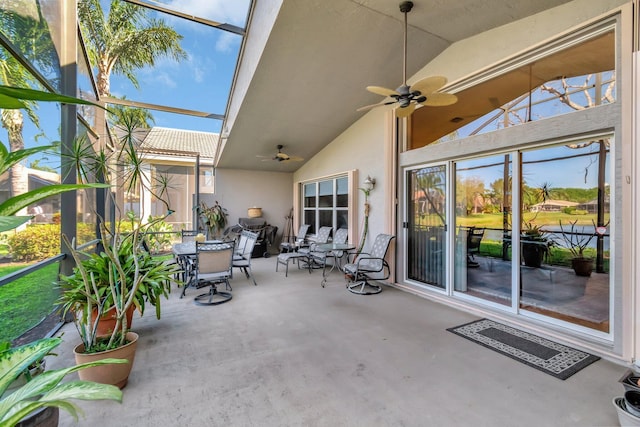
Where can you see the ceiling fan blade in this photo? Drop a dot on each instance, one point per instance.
(295, 159)
(382, 91)
(429, 85)
(368, 107)
(406, 111)
(440, 99)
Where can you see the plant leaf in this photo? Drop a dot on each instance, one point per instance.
(10, 222)
(14, 204)
(8, 95)
(10, 102)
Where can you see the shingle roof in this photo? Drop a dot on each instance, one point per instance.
(180, 142)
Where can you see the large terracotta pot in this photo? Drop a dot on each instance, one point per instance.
(116, 374)
(108, 320)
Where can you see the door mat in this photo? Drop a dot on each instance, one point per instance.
(547, 356)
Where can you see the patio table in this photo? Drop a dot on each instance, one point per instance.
(334, 248)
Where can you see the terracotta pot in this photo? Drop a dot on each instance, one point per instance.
(108, 320)
(582, 266)
(117, 374)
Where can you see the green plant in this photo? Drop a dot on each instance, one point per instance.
(159, 234)
(45, 389)
(41, 241)
(214, 217)
(15, 98)
(121, 276)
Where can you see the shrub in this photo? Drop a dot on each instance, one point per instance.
(36, 242)
(41, 241)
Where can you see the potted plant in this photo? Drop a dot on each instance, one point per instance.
(577, 241)
(41, 396)
(122, 275)
(535, 245)
(215, 219)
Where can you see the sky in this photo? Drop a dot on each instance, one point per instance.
(201, 82)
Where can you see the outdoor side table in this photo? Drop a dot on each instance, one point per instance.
(336, 248)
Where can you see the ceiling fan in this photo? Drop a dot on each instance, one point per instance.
(423, 92)
(281, 157)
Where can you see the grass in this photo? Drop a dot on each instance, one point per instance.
(26, 301)
(494, 220)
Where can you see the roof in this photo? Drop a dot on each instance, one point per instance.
(179, 142)
(305, 66)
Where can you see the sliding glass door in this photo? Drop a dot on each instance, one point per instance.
(560, 228)
(482, 261)
(565, 210)
(426, 225)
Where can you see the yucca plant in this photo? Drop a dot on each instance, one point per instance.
(47, 388)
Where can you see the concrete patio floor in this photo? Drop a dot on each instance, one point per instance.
(289, 353)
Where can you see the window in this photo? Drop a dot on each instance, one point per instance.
(326, 203)
(571, 78)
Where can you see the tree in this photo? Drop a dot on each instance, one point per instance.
(30, 35)
(125, 40)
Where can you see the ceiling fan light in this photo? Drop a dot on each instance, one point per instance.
(421, 99)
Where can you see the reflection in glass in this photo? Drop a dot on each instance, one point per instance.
(483, 228)
(325, 194)
(27, 25)
(426, 226)
(566, 212)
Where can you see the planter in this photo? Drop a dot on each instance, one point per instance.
(108, 320)
(43, 417)
(582, 266)
(625, 418)
(117, 374)
(533, 253)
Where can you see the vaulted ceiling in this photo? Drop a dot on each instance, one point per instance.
(302, 89)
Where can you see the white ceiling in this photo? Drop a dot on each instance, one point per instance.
(320, 56)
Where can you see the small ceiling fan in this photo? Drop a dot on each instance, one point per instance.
(423, 92)
(281, 157)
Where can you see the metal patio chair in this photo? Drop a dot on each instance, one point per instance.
(369, 266)
(213, 267)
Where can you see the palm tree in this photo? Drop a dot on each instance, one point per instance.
(30, 35)
(125, 40)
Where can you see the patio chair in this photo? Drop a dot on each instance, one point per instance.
(299, 241)
(320, 257)
(321, 237)
(474, 237)
(243, 252)
(214, 265)
(369, 266)
(188, 235)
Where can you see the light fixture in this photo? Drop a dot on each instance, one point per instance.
(369, 183)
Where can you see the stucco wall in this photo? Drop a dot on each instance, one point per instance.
(360, 147)
(238, 190)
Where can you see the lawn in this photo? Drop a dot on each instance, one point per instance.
(26, 301)
(551, 219)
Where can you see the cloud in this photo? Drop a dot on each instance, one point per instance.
(225, 41)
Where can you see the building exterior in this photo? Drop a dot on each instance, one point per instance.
(592, 40)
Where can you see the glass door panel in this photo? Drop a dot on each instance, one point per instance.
(482, 260)
(565, 209)
(426, 221)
